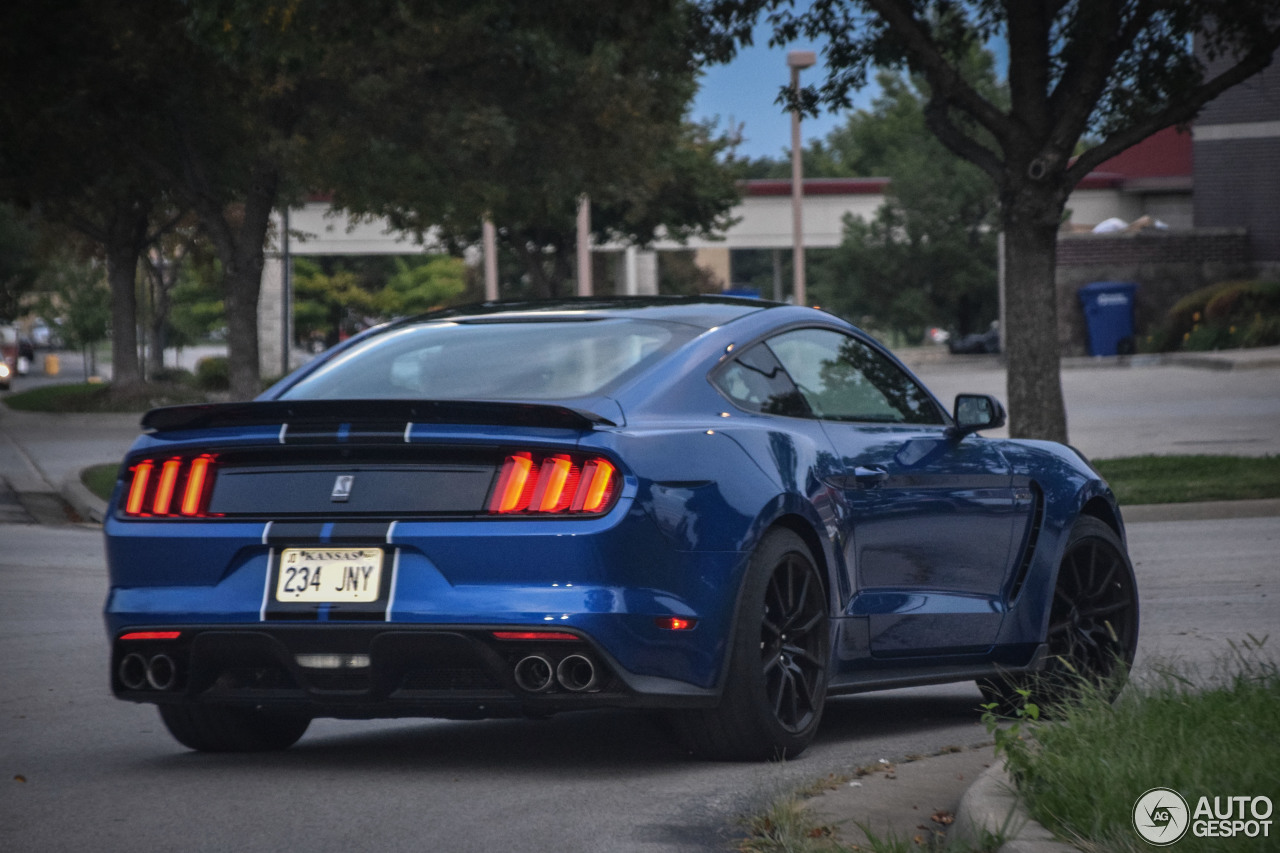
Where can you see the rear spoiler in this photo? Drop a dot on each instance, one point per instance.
(322, 412)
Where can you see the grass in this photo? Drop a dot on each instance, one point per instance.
(1212, 736)
(100, 479)
(92, 398)
(1179, 479)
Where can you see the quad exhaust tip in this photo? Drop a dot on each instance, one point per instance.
(138, 673)
(535, 674)
(576, 673)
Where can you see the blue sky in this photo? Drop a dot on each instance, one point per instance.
(744, 91)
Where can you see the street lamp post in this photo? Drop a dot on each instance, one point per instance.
(796, 60)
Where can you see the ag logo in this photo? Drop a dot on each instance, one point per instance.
(1161, 817)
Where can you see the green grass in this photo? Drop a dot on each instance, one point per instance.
(1178, 479)
(1215, 736)
(100, 479)
(99, 397)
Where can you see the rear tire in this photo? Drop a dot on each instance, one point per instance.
(1093, 625)
(776, 686)
(220, 728)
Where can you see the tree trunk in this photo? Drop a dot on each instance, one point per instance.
(124, 240)
(1036, 408)
(239, 235)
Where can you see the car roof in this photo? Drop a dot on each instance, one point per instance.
(704, 312)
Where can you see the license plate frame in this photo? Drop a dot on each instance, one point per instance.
(329, 574)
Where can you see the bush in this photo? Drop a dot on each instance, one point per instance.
(213, 373)
(173, 376)
(1226, 315)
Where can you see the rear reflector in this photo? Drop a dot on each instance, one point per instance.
(676, 623)
(181, 488)
(534, 635)
(554, 484)
(152, 635)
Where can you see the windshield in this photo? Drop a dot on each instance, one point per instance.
(486, 360)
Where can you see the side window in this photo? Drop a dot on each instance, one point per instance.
(755, 381)
(841, 378)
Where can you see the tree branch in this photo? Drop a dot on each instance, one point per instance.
(1187, 107)
(945, 82)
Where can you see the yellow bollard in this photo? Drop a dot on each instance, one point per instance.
(51, 366)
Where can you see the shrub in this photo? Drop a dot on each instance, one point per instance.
(173, 375)
(213, 373)
(1222, 316)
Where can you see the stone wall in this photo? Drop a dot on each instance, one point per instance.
(1166, 265)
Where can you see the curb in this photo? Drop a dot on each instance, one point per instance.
(991, 807)
(83, 501)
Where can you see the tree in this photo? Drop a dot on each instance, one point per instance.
(416, 288)
(929, 254)
(18, 266)
(1113, 70)
(565, 99)
(75, 290)
(82, 83)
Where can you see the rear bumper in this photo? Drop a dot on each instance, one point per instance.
(364, 671)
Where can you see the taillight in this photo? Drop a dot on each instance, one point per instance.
(554, 484)
(170, 488)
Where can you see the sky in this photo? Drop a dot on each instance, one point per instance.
(744, 91)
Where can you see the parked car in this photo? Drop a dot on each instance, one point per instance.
(722, 509)
(9, 353)
(976, 343)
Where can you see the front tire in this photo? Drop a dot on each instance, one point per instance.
(1093, 624)
(776, 686)
(220, 728)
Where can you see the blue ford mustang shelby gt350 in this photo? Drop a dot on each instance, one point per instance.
(724, 509)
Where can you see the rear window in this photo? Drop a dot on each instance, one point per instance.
(487, 360)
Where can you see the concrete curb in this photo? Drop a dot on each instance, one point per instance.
(991, 807)
(77, 495)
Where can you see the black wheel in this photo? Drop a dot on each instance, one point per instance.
(216, 728)
(1093, 623)
(776, 685)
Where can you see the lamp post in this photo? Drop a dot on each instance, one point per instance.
(796, 60)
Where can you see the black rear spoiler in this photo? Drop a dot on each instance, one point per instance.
(320, 412)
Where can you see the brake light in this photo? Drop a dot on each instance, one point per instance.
(152, 635)
(554, 484)
(182, 487)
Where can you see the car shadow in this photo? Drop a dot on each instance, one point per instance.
(587, 741)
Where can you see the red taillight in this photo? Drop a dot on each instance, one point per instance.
(676, 623)
(534, 635)
(554, 484)
(182, 487)
(152, 635)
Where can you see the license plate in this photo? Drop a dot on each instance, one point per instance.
(329, 575)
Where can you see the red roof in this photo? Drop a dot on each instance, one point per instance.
(816, 186)
(1165, 154)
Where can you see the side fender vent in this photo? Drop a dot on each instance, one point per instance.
(1029, 544)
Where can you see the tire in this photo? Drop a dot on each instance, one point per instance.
(1093, 625)
(219, 728)
(776, 685)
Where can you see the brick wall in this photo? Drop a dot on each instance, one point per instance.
(1237, 183)
(1166, 265)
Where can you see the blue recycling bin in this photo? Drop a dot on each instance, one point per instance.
(1108, 316)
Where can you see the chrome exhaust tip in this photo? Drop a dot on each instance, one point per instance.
(534, 674)
(133, 671)
(162, 672)
(576, 673)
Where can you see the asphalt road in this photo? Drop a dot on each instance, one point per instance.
(80, 770)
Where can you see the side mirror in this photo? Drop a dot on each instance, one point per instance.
(975, 412)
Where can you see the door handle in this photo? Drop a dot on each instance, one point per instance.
(869, 477)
